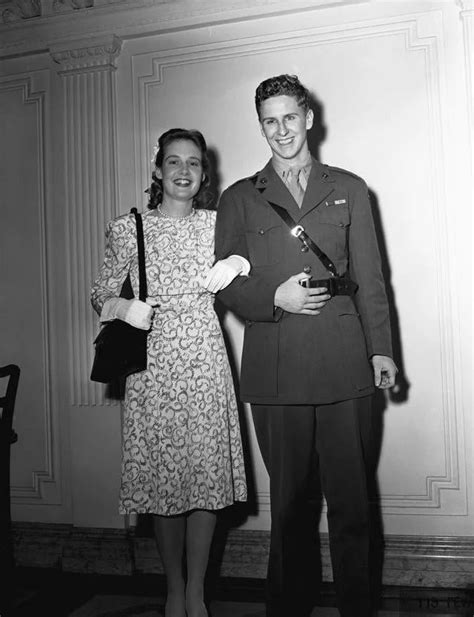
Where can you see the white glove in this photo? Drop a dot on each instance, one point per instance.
(224, 272)
(134, 312)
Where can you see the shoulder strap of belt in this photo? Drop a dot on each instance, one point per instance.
(298, 232)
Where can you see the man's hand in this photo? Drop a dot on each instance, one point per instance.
(293, 298)
(385, 371)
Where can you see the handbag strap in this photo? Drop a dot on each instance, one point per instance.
(142, 289)
(298, 232)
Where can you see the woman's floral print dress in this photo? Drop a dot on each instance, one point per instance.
(181, 436)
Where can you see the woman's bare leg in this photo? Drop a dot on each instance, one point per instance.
(170, 537)
(199, 532)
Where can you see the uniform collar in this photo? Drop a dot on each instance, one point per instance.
(282, 167)
(320, 185)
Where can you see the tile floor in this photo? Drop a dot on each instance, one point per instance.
(115, 606)
(104, 606)
(50, 593)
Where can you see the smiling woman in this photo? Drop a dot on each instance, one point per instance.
(181, 179)
(181, 455)
(181, 161)
(181, 176)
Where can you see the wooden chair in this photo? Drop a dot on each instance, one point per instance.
(7, 437)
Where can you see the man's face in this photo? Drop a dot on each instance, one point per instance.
(284, 125)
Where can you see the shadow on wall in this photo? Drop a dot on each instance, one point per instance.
(399, 393)
(215, 176)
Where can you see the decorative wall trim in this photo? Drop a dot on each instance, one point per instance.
(129, 19)
(90, 148)
(20, 9)
(412, 561)
(33, 493)
(422, 34)
(17, 10)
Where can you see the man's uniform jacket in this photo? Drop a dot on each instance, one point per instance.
(291, 359)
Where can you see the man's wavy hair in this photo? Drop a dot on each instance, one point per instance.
(288, 85)
(204, 197)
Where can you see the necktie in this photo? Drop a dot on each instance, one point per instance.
(296, 183)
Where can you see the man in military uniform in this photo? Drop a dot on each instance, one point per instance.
(317, 340)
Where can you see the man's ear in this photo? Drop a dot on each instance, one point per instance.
(309, 119)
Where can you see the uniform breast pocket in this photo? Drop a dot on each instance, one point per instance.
(264, 245)
(333, 227)
(336, 215)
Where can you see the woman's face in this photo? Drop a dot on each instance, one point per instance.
(181, 172)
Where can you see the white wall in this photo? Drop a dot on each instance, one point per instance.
(393, 82)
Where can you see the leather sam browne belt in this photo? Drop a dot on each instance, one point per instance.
(337, 284)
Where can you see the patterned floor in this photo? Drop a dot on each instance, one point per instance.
(122, 606)
(106, 606)
(51, 593)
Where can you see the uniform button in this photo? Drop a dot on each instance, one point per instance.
(307, 269)
(341, 225)
(304, 249)
(261, 231)
(263, 181)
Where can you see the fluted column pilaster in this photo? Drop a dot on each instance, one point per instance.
(88, 74)
(466, 13)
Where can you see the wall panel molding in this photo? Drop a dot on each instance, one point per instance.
(421, 33)
(44, 487)
(90, 145)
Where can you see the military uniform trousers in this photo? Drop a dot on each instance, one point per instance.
(307, 449)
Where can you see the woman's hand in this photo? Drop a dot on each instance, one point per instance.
(224, 272)
(134, 312)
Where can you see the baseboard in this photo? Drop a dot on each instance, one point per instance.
(409, 561)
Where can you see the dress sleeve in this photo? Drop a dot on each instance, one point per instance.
(116, 264)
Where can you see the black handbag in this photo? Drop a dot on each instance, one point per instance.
(121, 349)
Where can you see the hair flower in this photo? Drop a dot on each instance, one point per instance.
(155, 152)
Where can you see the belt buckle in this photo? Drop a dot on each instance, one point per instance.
(332, 287)
(297, 231)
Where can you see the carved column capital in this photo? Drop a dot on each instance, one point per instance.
(97, 55)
